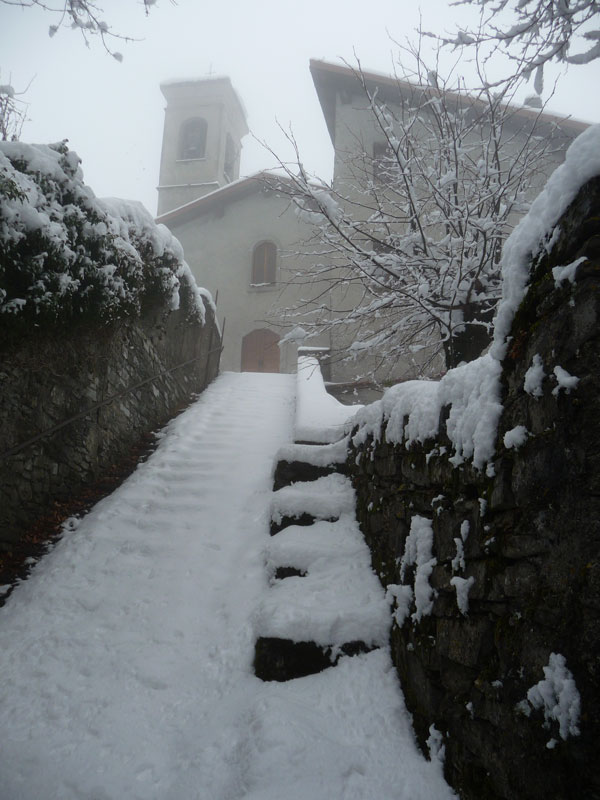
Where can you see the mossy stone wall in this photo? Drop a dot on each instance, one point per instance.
(52, 375)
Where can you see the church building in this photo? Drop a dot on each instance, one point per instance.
(242, 237)
(238, 234)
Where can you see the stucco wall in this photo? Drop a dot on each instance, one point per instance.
(218, 247)
(50, 377)
(215, 100)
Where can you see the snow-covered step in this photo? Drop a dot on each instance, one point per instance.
(335, 607)
(339, 600)
(302, 503)
(127, 655)
(305, 548)
(320, 418)
(307, 462)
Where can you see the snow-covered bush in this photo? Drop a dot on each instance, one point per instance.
(66, 255)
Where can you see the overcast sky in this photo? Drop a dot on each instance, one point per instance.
(112, 113)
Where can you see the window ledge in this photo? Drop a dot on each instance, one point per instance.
(186, 160)
(262, 287)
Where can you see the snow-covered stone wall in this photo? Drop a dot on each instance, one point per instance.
(104, 333)
(479, 499)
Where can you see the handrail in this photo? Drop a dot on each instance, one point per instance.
(12, 450)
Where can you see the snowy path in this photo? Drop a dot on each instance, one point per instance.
(126, 658)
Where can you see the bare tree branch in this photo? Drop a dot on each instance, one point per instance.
(532, 34)
(86, 16)
(413, 232)
(13, 111)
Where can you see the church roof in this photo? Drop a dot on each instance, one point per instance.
(330, 79)
(214, 201)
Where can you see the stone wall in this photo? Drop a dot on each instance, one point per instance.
(532, 550)
(50, 377)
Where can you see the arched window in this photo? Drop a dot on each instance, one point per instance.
(193, 138)
(264, 263)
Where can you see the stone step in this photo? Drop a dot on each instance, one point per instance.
(325, 498)
(288, 472)
(337, 600)
(306, 546)
(325, 601)
(303, 520)
(283, 659)
(288, 572)
(303, 462)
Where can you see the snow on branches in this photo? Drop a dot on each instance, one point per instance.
(411, 412)
(65, 255)
(414, 225)
(12, 112)
(533, 33)
(85, 16)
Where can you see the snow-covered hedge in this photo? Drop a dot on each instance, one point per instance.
(66, 255)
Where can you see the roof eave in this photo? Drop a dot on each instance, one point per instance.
(328, 78)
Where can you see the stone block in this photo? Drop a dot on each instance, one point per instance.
(460, 640)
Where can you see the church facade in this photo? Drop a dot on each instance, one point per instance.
(242, 237)
(239, 235)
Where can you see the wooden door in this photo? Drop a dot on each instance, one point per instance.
(260, 352)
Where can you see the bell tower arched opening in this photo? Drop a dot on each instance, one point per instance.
(205, 123)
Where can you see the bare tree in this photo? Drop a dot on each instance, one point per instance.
(533, 33)
(408, 237)
(86, 16)
(12, 113)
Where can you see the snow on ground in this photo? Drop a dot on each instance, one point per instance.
(127, 655)
(341, 735)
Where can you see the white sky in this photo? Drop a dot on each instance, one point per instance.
(112, 113)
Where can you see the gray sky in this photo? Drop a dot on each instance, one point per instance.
(112, 113)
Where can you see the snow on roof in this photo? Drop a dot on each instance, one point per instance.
(199, 79)
(325, 73)
(172, 82)
(230, 191)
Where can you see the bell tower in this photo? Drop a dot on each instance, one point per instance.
(205, 122)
